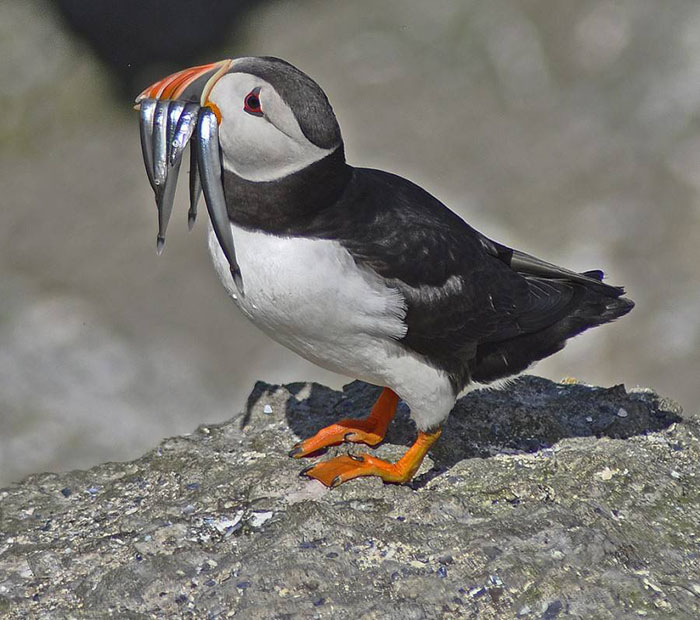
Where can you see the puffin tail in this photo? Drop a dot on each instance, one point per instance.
(594, 303)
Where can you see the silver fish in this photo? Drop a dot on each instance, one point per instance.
(147, 109)
(165, 203)
(186, 123)
(175, 110)
(160, 146)
(209, 160)
(195, 187)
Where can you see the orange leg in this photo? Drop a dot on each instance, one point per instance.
(340, 469)
(369, 431)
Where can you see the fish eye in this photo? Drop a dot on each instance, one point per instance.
(251, 103)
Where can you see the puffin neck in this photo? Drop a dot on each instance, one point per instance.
(283, 205)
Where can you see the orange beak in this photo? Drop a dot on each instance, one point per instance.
(192, 84)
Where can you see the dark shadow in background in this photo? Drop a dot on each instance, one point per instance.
(142, 40)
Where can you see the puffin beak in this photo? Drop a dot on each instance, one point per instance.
(192, 84)
(171, 111)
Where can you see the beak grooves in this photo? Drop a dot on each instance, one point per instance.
(175, 86)
(171, 111)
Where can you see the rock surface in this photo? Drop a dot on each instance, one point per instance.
(544, 501)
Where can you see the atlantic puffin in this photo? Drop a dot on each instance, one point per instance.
(357, 270)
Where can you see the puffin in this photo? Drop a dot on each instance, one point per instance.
(360, 271)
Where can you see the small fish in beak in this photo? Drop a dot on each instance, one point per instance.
(209, 158)
(195, 188)
(171, 112)
(147, 109)
(160, 145)
(168, 167)
(165, 203)
(186, 123)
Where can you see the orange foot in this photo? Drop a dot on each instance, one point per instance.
(340, 469)
(369, 431)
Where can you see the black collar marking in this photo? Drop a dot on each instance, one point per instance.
(287, 206)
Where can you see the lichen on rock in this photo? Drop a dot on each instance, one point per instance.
(543, 500)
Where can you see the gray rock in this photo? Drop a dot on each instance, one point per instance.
(539, 501)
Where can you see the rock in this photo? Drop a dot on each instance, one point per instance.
(539, 501)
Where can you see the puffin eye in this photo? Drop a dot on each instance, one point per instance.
(251, 104)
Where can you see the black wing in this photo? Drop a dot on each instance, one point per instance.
(467, 296)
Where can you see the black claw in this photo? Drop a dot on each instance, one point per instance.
(304, 472)
(357, 457)
(347, 436)
(296, 449)
(335, 482)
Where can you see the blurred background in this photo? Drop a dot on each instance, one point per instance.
(570, 130)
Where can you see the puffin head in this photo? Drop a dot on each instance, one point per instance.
(273, 119)
(260, 118)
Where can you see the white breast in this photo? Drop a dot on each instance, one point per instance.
(311, 296)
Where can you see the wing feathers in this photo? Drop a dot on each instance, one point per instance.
(531, 265)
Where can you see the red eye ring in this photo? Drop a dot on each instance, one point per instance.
(251, 103)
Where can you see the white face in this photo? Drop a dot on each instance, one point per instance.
(261, 146)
